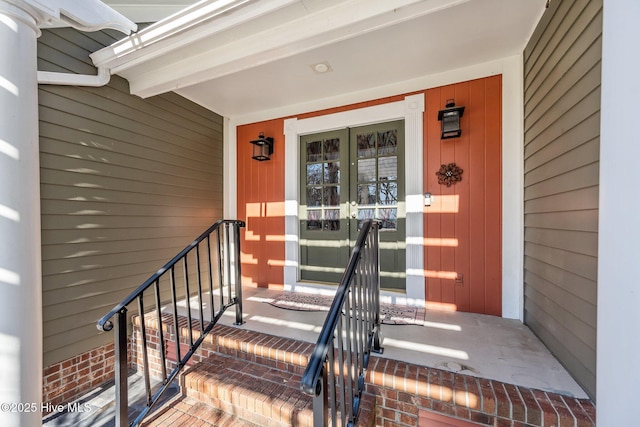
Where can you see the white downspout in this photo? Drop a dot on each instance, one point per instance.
(69, 79)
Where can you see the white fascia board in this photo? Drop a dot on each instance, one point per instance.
(182, 29)
(147, 12)
(189, 59)
(86, 15)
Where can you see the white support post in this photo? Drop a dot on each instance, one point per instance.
(20, 266)
(618, 343)
(20, 249)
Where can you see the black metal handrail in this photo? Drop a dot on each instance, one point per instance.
(336, 370)
(227, 240)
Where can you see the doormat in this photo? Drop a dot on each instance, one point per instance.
(390, 314)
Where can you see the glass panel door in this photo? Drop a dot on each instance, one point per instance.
(324, 228)
(349, 176)
(377, 191)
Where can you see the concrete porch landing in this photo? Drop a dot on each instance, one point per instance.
(483, 346)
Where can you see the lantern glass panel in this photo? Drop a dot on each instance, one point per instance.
(451, 125)
(261, 152)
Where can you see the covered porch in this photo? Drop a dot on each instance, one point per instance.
(567, 234)
(472, 367)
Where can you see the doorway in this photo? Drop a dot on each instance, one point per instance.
(348, 176)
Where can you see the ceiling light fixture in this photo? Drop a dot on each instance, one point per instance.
(321, 67)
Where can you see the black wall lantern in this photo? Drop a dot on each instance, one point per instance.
(450, 119)
(262, 148)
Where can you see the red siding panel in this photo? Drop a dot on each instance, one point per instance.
(260, 204)
(465, 216)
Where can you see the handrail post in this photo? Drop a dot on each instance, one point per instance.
(238, 278)
(320, 408)
(377, 347)
(121, 369)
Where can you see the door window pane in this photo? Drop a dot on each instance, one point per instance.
(367, 170)
(313, 219)
(314, 196)
(366, 144)
(365, 214)
(332, 173)
(366, 194)
(331, 195)
(388, 168)
(332, 219)
(314, 174)
(388, 218)
(314, 151)
(387, 142)
(388, 193)
(332, 149)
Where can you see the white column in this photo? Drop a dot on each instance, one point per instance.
(20, 266)
(512, 188)
(230, 177)
(291, 204)
(414, 198)
(20, 249)
(618, 344)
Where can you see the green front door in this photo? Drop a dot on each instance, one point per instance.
(348, 176)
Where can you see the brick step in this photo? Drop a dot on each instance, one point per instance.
(281, 353)
(256, 347)
(257, 393)
(189, 412)
(399, 390)
(402, 389)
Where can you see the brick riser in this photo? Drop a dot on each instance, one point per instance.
(395, 394)
(262, 395)
(256, 393)
(403, 390)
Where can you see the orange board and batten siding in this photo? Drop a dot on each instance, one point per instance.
(462, 227)
(261, 205)
(465, 243)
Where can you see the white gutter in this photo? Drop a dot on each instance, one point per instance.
(69, 79)
(86, 15)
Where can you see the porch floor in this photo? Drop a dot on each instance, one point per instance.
(479, 345)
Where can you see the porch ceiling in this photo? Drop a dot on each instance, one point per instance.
(242, 57)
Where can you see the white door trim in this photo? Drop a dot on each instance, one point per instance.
(410, 110)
